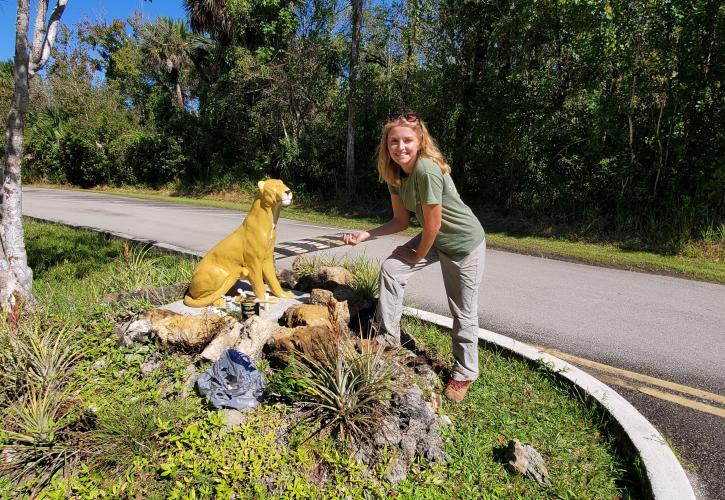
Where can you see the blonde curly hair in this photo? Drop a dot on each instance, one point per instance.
(389, 170)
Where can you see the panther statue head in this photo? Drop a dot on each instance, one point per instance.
(273, 192)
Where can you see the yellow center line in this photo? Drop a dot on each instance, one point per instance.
(698, 393)
(673, 398)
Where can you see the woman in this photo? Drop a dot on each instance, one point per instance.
(419, 181)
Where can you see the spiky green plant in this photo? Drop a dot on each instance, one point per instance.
(33, 443)
(41, 353)
(306, 266)
(367, 277)
(366, 272)
(136, 268)
(123, 433)
(344, 391)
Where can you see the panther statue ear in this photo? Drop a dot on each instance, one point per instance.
(260, 185)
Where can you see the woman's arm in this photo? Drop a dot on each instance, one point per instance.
(399, 222)
(432, 215)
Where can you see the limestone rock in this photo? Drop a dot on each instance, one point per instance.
(151, 364)
(421, 436)
(320, 296)
(412, 404)
(355, 303)
(328, 278)
(132, 331)
(306, 315)
(525, 460)
(444, 421)
(397, 471)
(232, 418)
(427, 377)
(326, 298)
(331, 277)
(388, 433)
(188, 332)
(254, 335)
(305, 339)
(221, 343)
(436, 401)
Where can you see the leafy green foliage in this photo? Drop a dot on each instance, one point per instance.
(284, 384)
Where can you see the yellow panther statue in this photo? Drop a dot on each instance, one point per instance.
(246, 253)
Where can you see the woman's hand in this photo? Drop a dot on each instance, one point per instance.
(355, 237)
(407, 254)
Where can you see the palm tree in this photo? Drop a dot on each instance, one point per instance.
(167, 44)
(212, 17)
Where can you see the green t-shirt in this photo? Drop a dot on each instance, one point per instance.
(460, 232)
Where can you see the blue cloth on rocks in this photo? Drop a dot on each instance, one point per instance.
(232, 382)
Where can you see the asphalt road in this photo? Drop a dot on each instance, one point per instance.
(664, 327)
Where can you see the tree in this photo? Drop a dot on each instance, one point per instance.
(16, 277)
(357, 6)
(167, 43)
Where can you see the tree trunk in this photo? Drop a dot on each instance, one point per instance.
(16, 278)
(179, 96)
(354, 46)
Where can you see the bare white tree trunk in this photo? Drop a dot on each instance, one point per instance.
(16, 277)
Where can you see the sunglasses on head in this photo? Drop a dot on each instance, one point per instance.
(408, 117)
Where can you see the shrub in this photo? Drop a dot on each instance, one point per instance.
(148, 158)
(84, 159)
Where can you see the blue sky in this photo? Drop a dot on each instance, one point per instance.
(77, 10)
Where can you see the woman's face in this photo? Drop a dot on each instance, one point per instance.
(403, 146)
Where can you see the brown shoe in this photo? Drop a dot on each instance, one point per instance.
(456, 389)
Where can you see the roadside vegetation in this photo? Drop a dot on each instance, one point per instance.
(82, 416)
(566, 125)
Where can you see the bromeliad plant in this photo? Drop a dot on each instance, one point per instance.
(35, 440)
(40, 353)
(345, 390)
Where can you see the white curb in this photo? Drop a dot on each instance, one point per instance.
(667, 479)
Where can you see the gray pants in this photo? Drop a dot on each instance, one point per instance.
(462, 277)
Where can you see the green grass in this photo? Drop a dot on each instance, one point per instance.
(610, 255)
(74, 269)
(136, 436)
(512, 399)
(693, 262)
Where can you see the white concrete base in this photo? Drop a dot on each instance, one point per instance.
(272, 311)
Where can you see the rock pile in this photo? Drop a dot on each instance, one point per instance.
(412, 426)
